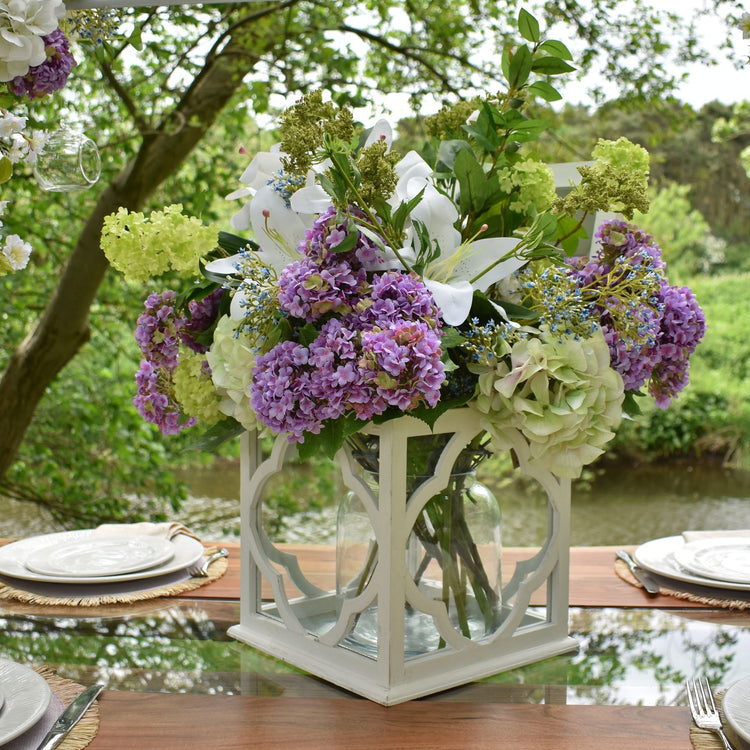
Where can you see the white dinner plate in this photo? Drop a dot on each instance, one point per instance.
(736, 707)
(98, 556)
(723, 558)
(2, 699)
(658, 556)
(187, 551)
(27, 696)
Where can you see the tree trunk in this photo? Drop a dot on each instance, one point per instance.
(64, 325)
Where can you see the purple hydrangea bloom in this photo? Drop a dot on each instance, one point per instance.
(326, 234)
(669, 325)
(683, 325)
(202, 314)
(52, 74)
(309, 290)
(158, 334)
(397, 296)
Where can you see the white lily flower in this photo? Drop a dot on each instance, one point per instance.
(460, 269)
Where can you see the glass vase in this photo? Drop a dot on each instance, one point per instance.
(452, 552)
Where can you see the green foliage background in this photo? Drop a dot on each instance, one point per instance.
(88, 456)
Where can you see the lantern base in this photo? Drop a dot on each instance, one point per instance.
(423, 675)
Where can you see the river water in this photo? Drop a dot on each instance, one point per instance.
(620, 505)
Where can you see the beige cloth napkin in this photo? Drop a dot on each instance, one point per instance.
(694, 536)
(166, 530)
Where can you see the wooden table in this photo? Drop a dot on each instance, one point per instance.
(273, 706)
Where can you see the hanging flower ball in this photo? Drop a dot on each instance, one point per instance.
(52, 74)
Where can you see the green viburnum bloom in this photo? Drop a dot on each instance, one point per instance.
(231, 359)
(560, 393)
(534, 182)
(141, 247)
(194, 390)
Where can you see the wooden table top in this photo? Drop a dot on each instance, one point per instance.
(472, 718)
(593, 581)
(178, 721)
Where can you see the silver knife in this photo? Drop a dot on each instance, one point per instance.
(70, 717)
(642, 575)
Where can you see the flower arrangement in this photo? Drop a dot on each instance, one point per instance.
(376, 285)
(35, 36)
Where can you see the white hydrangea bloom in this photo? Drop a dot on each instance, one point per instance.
(23, 23)
(231, 359)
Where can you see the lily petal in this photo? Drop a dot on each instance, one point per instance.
(380, 131)
(454, 299)
(481, 255)
(224, 266)
(278, 230)
(311, 199)
(263, 166)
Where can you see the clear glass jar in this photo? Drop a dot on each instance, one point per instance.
(453, 554)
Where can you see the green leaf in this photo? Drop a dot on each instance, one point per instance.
(505, 64)
(6, 169)
(545, 91)
(217, 434)
(307, 334)
(556, 49)
(330, 438)
(450, 338)
(521, 65)
(349, 242)
(233, 243)
(135, 38)
(529, 130)
(449, 150)
(528, 26)
(472, 182)
(551, 66)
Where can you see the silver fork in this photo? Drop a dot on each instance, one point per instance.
(702, 707)
(200, 570)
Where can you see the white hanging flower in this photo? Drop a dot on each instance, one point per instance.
(23, 23)
(15, 253)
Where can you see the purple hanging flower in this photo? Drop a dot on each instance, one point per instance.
(52, 74)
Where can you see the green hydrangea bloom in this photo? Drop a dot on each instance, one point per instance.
(141, 247)
(193, 388)
(560, 393)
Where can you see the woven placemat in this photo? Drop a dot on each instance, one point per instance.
(704, 739)
(63, 692)
(216, 570)
(739, 600)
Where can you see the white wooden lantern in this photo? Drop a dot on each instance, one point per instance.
(310, 628)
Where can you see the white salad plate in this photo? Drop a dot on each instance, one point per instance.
(736, 707)
(723, 558)
(99, 556)
(13, 556)
(658, 556)
(27, 696)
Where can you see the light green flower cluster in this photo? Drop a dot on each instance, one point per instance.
(561, 394)
(231, 359)
(193, 388)
(141, 247)
(617, 181)
(532, 184)
(622, 155)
